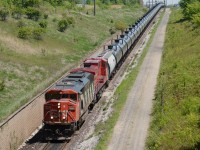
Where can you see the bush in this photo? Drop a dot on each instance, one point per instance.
(24, 32)
(43, 24)
(46, 16)
(3, 14)
(2, 85)
(120, 26)
(17, 13)
(33, 13)
(196, 19)
(54, 20)
(70, 20)
(112, 31)
(37, 33)
(62, 25)
(21, 23)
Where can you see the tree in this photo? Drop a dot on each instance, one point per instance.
(196, 19)
(26, 3)
(191, 10)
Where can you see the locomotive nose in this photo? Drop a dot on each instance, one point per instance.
(59, 112)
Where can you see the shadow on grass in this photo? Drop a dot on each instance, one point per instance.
(181, 20)
(196, 147)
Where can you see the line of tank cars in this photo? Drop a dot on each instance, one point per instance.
(69, 99)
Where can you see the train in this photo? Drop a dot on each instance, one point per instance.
(68, 101)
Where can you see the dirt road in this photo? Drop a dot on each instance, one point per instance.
(131, 129)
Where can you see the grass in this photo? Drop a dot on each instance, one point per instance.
(176, 116)
(105, 129)
(28, 66)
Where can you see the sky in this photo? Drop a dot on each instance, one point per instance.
(169, 2)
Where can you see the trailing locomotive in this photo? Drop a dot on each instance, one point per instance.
(68, 101)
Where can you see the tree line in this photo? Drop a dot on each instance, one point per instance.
(191, 10)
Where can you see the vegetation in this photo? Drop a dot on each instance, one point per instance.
(3, 14)
(120, 26)
(176, 119)
(191, 10)
(33, 54)
(62, 25)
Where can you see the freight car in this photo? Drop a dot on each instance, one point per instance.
(69, 100)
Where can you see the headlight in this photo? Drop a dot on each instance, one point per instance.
(51, 117)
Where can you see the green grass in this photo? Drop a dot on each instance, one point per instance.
(176, 116)
(28, 66)
(105, 129)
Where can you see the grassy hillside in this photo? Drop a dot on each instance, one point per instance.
(27, 66)
(176, 115)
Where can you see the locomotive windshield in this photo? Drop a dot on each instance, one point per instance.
(58, 96)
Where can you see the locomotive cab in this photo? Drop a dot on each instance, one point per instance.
(61, 107)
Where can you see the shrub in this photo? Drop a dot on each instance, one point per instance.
(70, 20)
(43, 24)
(37, 33)
(30, 3)
(24, 32)
(112, 31)
(32, 13)
(3, 14)
(2, 85)
(21, 23)
(196, 19)
(46, 16)
(120, 26)
(111, 21)
(62, 25)
(17, 13)
(54, 20)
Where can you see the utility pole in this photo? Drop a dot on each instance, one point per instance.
(165, 2)
(94, 7)
(149, 4)
(141, 2)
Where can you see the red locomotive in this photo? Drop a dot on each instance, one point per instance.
(69, 100)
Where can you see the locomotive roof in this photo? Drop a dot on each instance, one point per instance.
(75, 81)
(92, 61)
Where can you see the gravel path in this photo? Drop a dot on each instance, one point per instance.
(131, 129)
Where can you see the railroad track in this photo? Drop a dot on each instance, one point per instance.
(54, 146)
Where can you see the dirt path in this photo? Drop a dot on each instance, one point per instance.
(131, 129)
